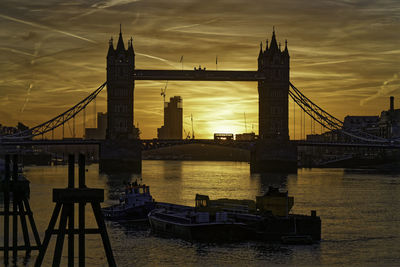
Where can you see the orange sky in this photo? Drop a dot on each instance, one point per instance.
(344, 56)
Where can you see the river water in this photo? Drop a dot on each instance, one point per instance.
(359, 212)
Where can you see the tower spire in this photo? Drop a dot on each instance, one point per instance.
(274, 45)
(120, 44)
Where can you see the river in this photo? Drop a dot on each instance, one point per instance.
(359, 211)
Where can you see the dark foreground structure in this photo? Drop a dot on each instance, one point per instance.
(65, 200)
(18, 189)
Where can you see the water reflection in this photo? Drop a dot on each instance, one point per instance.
(266, 180)
(359, 213)
(116, 183)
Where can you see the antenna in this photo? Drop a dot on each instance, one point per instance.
(245, 124)
(164, 92)
(191, 118)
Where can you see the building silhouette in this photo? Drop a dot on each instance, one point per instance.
(100, 131)
(274, 91)
(120, 87)
(173, 119)
(389, 122)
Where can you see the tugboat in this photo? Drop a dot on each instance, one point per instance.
(134, 204)
(226, 220)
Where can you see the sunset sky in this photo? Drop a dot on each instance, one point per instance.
(345, 56)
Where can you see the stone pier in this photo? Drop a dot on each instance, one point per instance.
(119, 156)
(273, 156)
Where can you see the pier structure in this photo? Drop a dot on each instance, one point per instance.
(18, 189)
(65, 200)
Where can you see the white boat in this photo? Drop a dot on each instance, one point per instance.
(134, 204)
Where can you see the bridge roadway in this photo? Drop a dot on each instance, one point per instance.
(156, 143)
(199, 75)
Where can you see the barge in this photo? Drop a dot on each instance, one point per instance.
(226, 220)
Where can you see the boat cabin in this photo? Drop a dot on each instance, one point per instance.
(275, 201)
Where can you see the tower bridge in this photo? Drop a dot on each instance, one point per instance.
(122, 149)
(199, 75)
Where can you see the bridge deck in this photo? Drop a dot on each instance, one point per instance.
(198, 75)
(189, 141)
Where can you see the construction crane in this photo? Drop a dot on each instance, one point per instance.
(245, 124)
(164, 92)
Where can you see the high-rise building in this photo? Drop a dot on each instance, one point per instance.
(100, 131)
(173, 119)
(273, 92)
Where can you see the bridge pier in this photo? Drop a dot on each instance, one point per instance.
(273, 156)
(118, 156)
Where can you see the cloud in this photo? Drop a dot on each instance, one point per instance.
(110, 3)
(28, 94)
(33, 24)
(190, 25)
(387, 87)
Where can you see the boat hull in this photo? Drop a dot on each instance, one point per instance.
(206, 232)
(132, 213)
(273, 229)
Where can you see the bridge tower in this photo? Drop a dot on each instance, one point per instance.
(121, 151)
(273, 151)
(120, 90)
(274, 92)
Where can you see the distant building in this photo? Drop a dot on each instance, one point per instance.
(367, 124)
(100, 131)
(173, 120)
(8, 130)
(246, 137)
(389, 122)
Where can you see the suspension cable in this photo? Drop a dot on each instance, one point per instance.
(58, 120)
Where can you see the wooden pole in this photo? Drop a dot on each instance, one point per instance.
(6, 208)
(82, 171)
(103, 232)
(81, 237)
(47, 236)
(60, 236)
(71, 184)
(32, 222)
(81, 234)
(71, 171)
(15, 208)
(24, 227)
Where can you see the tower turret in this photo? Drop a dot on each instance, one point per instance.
(260, 57)
(111, 52)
